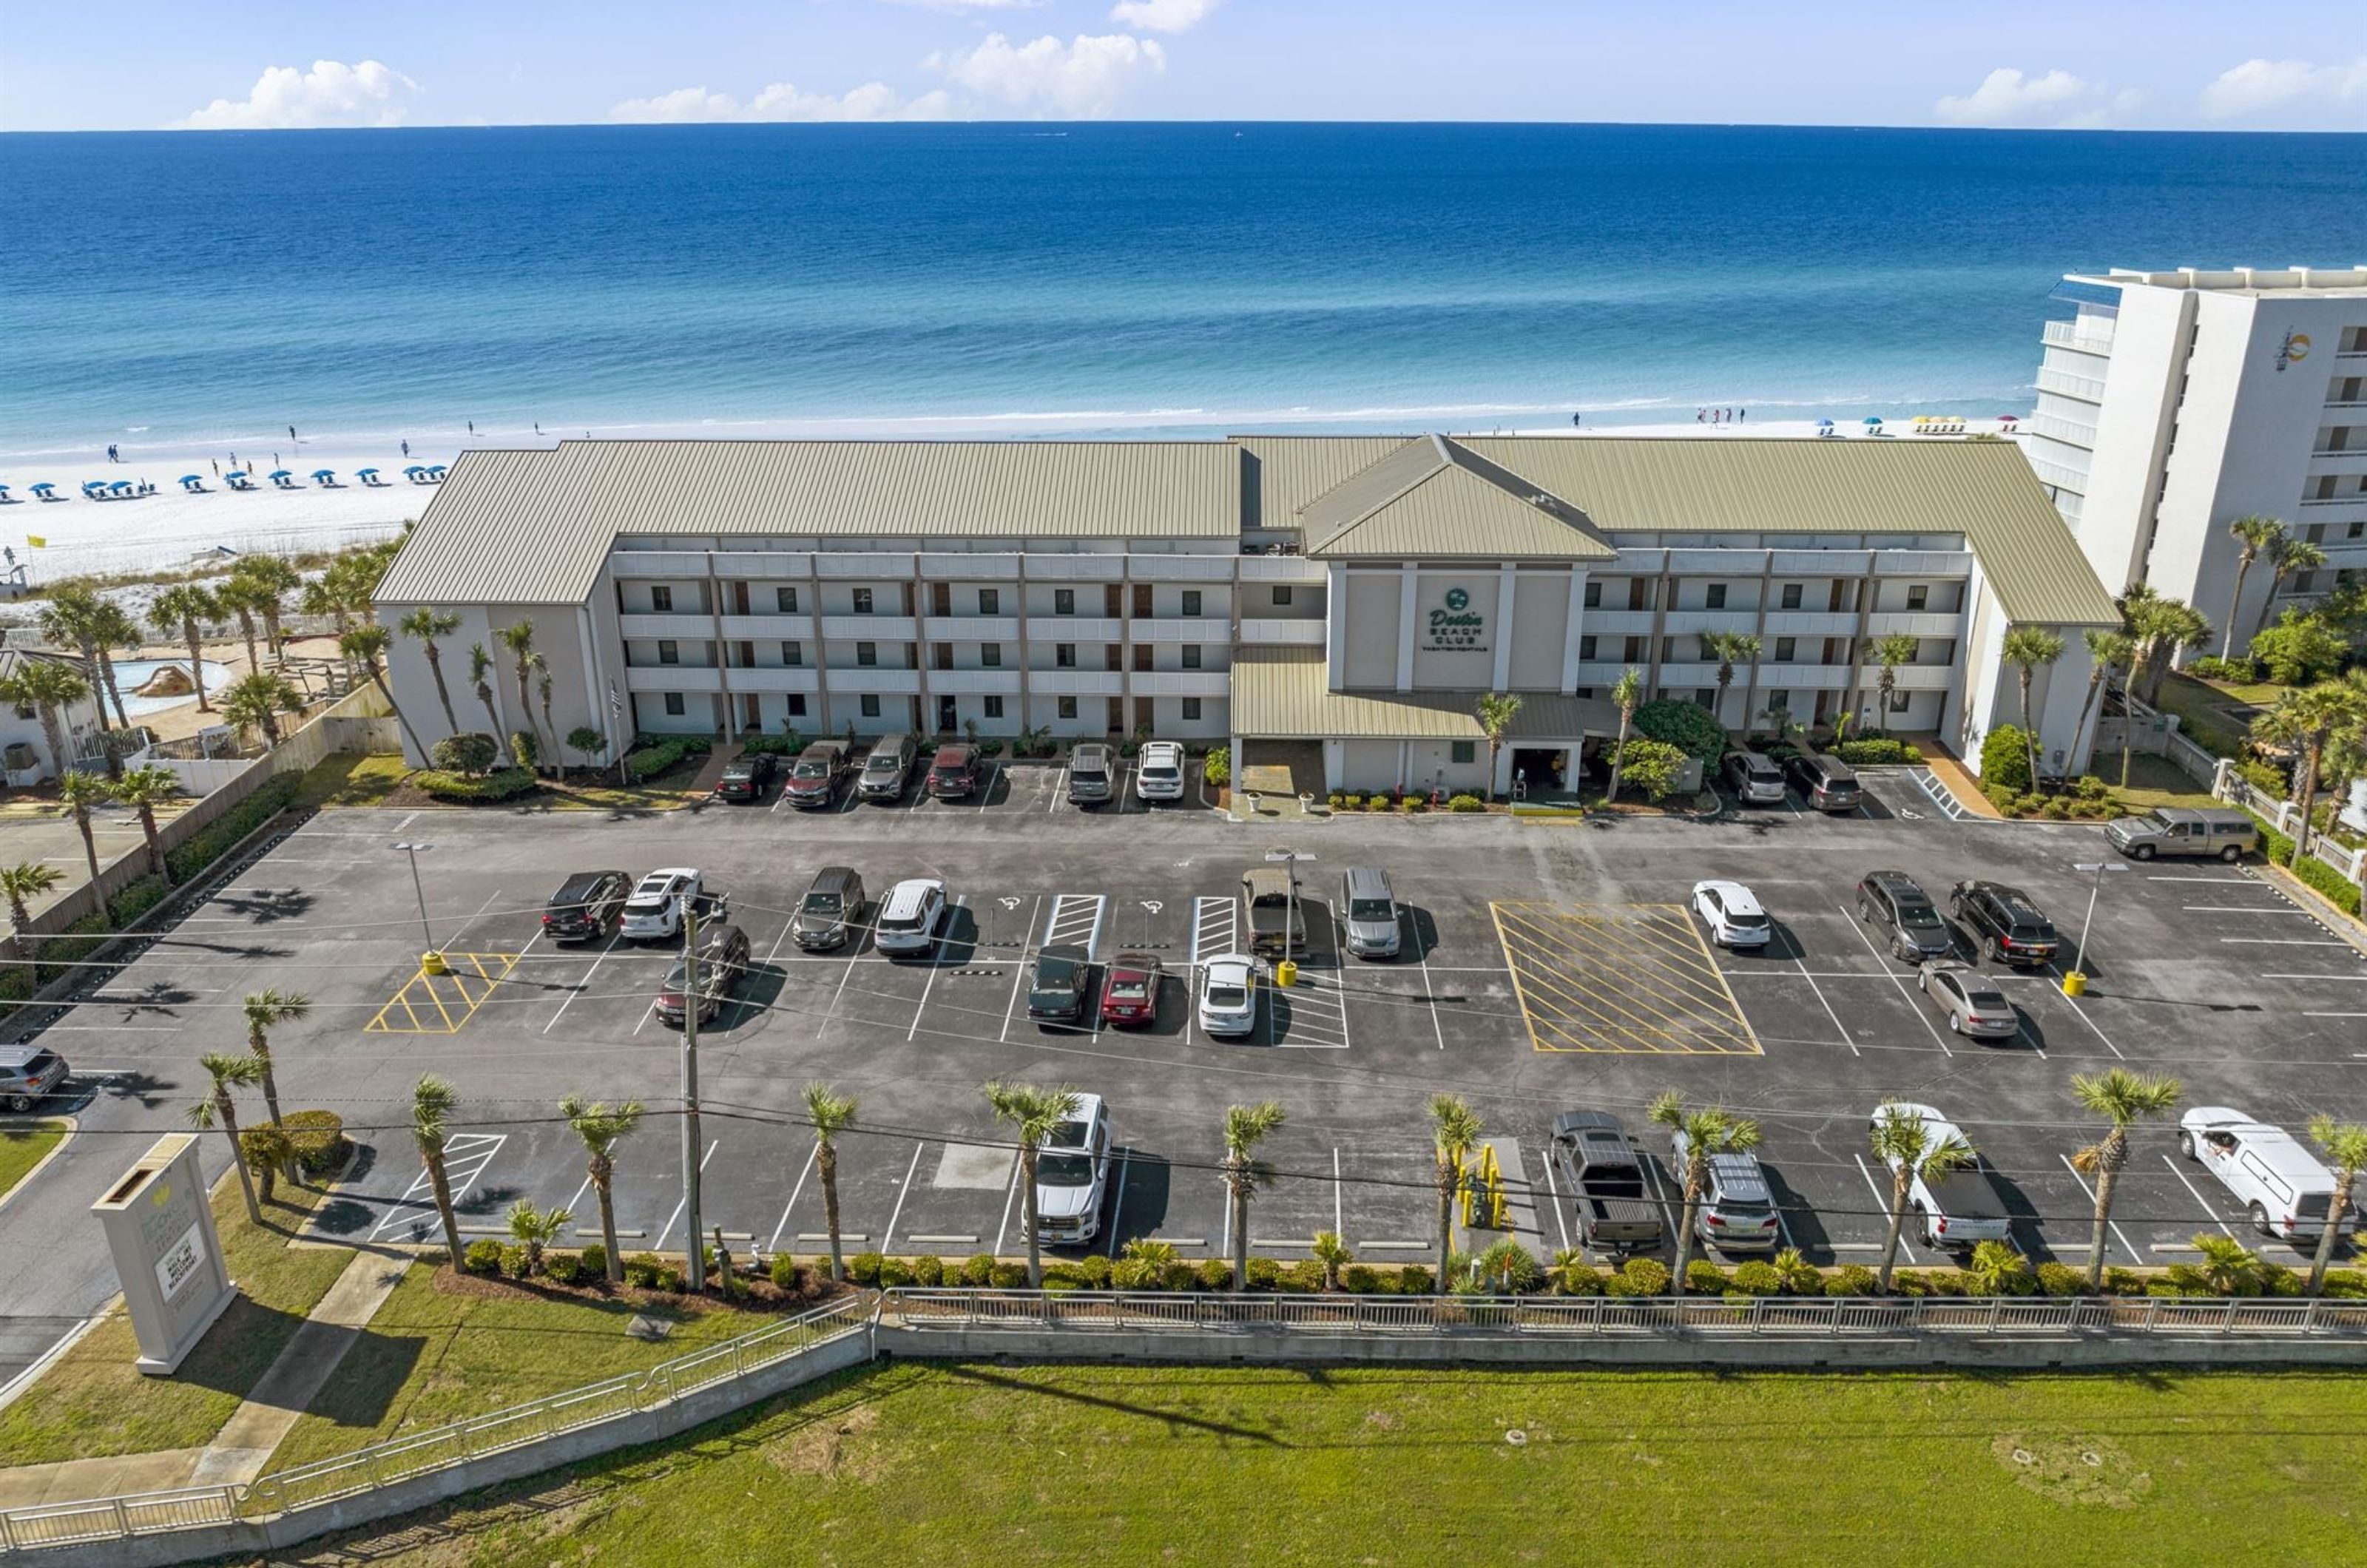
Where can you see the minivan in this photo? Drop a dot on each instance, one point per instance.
(2190, 831)
(1754, 779)
(1826, 783)
(888, 768)
(1368, 912)
(830, 912)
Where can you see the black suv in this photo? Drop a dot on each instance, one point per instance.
(2005, 923)
(745, 776)
(588, 908)
(1896, 902)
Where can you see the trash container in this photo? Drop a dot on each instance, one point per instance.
(2075, 984)
(1286, 974)
(432, 962)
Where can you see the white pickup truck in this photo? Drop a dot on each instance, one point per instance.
(1961, 1209)
(654, 911)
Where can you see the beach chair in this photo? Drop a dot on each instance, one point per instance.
(368, 477)
(239, 478)
(416, 473)
(194, 483)
(5, 499)
(283, 479)
(435, 473)
(45, 490)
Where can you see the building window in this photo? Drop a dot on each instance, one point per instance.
(1790, 596)
(1706, 697)
(1898, 701)
(669, 652)
(793, 654)
(1463, 751)
(796, 704)
(1593, 595)
(1190, 601)
(661, 599)
(1633, 651)
(990, 656)
(1639, 593)
(994, 707)
(1142, 656)
(870, 705)
(785, 600)
(1067, 708)
(2358, 530)
(1281, 594)
(1064, 601)
(1191, 656)
(673, 704)
(1918, 595)
(863, 601)
(1192, 708)
(989, 601)
(2303, 582)
(1667, 650)
(866, 654)
(1786, 648)
(1064, 655)
(1713, 597)
(1586, 647)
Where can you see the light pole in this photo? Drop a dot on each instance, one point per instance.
(1289, 859)
(697, 1260)
(2075, 980)
(430, 960)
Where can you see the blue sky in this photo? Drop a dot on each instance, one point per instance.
(140, 65)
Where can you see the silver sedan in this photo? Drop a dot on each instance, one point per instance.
(1975, 1008)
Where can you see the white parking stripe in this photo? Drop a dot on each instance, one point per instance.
(1019, 971)
(1561, 1220)
(786, 1209)
(936, 958)
(476, 1151)
(1914, 1002)
(584, 985)
(887, 1243)
(1882, 1207)
(2135, 1255)
(2198, 1200)
(676, 1218)
(2245, 910)
(1117, 1205)
(1008, 1195)
(2283, 940)
(1838, 1027)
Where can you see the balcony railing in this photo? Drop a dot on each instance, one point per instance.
(2055, 427)
(2087, 388)
(670, 625)
(2086, 337)
(1075, 628)
(1183, 628)
(1307, 633)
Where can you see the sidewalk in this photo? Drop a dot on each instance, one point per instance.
(1966, 789)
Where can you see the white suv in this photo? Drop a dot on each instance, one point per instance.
(655, 908)
(1732, 913)
(1158, 775)
(908, 917)
(2283, 1188)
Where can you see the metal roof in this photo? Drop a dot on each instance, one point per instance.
(1283, 694)
(1435, 498)
(533, 527)
(1286, 472)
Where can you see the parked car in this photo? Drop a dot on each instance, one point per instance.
(955, 772)
(1957, 1210)
(2186, 830)
(1738, 1208)
(28, 1074)
(1910, 922)
(1975, 1008)
(1602, 1178)
(1229, 988)
(1368, 913)
(1754, 778)
(1158, 771)
(814, 778)
(908, 917)
(745, 777)
(1130, 989)
(1092, 774)
(2005, 922)
(1732, 913)
(1061, 985)
(588, 906)
(656, 907)
(831, 910)
(888, 768)
(1273, 910)
(723, 959)
(1071, 1175)
(2284, 1191)
(1824, 782)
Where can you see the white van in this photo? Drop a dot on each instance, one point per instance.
(2285, 1192)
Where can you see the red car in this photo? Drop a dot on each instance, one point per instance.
(1130, 990)
(955, 773)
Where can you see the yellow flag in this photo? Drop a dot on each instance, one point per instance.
(37, 542)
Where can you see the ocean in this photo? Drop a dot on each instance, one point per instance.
(196, 289)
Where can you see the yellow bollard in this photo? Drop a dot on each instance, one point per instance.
(432, 963)
(2075, 984)
(1286, 974)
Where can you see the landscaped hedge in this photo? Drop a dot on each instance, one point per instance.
(2338, 889)
(506, 783)
(787, 745)
(649, 758)
(80, 939)
(1874, 750)
(2005, 761)
(216, 840)
(318, 1138)
(1688, 727)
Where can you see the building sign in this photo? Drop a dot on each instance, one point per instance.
(160, 1231)
(1456, 626)
(2292, 350)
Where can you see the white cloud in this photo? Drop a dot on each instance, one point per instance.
(2260, 85)
(331, 93)
(782, 101)
(959, 5)
(1082, 78)
(1161, 16)
(2007, 97)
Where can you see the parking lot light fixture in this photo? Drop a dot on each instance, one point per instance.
(2075, 981)
(1290, 903)
(430, 959)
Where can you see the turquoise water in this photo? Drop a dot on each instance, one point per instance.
(202, 289)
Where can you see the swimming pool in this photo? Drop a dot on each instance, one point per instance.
(131, 675)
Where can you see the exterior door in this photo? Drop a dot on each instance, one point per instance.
(948, 715)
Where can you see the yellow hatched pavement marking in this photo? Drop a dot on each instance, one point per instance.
(1619, 979)
(440, 1004)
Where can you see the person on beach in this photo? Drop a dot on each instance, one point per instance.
(291, 437)
(1574, 421)
(472, 427)
(1700, 415)
(112, 455)
(406, 448)
(1743, 414)
(217, 468)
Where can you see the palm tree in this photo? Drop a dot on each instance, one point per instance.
(1711, 1130)
(535, 1229)
(1455, 1128)
(481, 671)
(2161, 627)
(2346, 1144)
(113, 629)
(273, 580)
(366, 646)
(2255, 534)
(428, 624)
(81, 791)
(1246, 1126)
(2309, 719)
(832, 1114)
(1496, 712)
(602, 1127)
(2027, 648)
(1901, 1141)
(2228, 1267)
(2107, 651)
(218, 1108)
(143, 789)
(264, 1011)
(240, 599)
(181, 611)
(432, 1100)
(1333, 1254)
(2124, 1098)
(19, 885)
(1035, 1114)
(1626, 695)
(255, 702)
(543, 684)
(321, 596)
(2289, 556)
(1729, 649)
(1890, 653)
(71, 618)
(520, 641)
(49, 687)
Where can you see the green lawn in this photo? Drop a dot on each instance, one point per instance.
(23, 1145)
(939, 1462)
(441, 1350)
(2152, 782)
(92, 1403)
(345, 779)
(2199, 706)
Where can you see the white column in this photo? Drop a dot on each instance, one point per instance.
(1335, 644)
(1409, 578)
(1506, 580)
(1570, 631)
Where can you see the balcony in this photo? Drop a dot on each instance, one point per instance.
(675, 626)
(2055, 474)
(1913, 623)
(879, 565)
(771, 678)
(2086, 337)
(1916, 677)
(973, 683)
(1181, 569)
(1604, 673)
(1615, 623)
(672, 678)
(970, 629)
(751, 564)
(1733, 618)
(1075, 568)
(1185, 629)
(657, 563)
(1819, 563)
(1811, 623)
(2087, 388)
(870, 628)
(1800, 677)
(1084, 628)
(1947, 564)
(1282, 568)
(1180, 683)
(1076, 683)
(871, 678)
(1714, 563)
(955, 566)
(767, 626)
(2056, 428)
(1307, 633)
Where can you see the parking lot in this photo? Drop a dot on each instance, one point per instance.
(1546, 967)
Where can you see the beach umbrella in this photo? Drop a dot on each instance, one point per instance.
(2008, 419)
(191, 479)
(365, 473)
(436, 470)
(1873, 420)
(41, 489)
(416, 469)
(281, 474)
(1824, 424)
(322, 476)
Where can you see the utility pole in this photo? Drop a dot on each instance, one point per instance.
(697, 1274)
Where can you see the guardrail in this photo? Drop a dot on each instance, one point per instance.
(2236, 790)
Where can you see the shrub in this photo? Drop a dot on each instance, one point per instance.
(1095, 1272)
(2346, 1284)
(647, 761)
(2062, 1280)
(1875, 751)
(1849, 1280)
(1133, 1274)
(1704, 1278)
(864, 1268)
(1801, 1277)
(1649, 1276)
(507, 783)
(2264, 776)
(928, 1271)
(2005, 759)
(978, 1269)
(2299, 649)
(317, 1138)
(266, 1151)
(1758, 1279)
(2123, 1283)
(1305, 1275)
(525, 751)
(1652, 766)
(1621, 1288)
(209, 844)
(1179, 1275)
(785, 1271)
(1265, 1274)
(641, 1272)
(1332, 800)
(1216, 1274)
(2211, 667)
(594, 1259)
(893, 1272)
(516, 1262)
(1465, 803)
(667, 1279)
(471, 753)
(1218, 768)
(1008, 1277)
(1578, 1278)
(483, 1256)
(1358, 1278)
(137, 899)
(564, 1268)
(2276, 1279)
(1414, 1279)
(1692, 729)
(2339, 890)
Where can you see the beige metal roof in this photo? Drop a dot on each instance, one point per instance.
(1288, 471)
(1435, 497)
(533, 527)
(1283, 693)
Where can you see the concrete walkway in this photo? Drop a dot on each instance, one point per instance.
(255, 1428)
